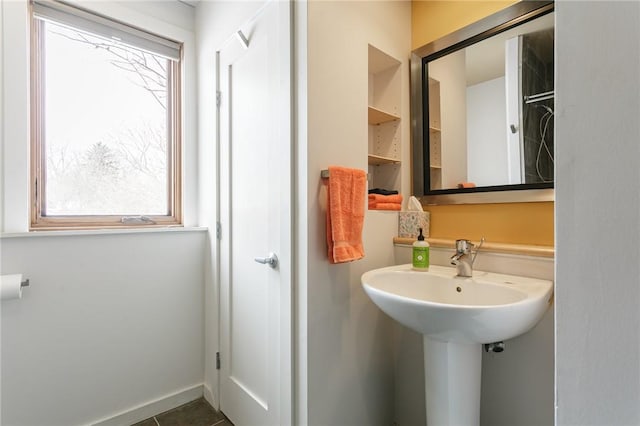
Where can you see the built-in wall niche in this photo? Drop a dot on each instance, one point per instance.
(384, 120)
(435, 134)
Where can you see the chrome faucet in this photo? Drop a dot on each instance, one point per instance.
(462, 259)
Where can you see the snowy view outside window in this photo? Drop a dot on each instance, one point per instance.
(105, 126)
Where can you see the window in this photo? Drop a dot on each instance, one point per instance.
(105, 122)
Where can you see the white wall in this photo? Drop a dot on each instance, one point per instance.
(109, 323)
(112, 321)
(173, 20)
(597, 219)
(512, 95)
(14, 139)
(487, 133)
(216, 22)
(349, 366)
(451, 72)
(301, 219)
(1, 175)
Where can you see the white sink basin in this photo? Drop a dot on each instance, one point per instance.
(485, 308)
(455, 316)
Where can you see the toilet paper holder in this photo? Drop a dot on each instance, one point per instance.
(25, 283)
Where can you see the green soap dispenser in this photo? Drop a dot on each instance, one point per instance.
(421, 254)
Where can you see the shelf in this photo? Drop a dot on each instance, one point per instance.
(378, 160)
(377, 116)
(435, 135)
(525, 249)
(384, 101)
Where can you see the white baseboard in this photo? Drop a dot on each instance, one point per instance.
(210, 397)
(153, 408)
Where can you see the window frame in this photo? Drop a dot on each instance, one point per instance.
(37, 197)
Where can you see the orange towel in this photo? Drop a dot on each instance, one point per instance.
(378, 198)
(345, 214)
(385, 206)
(466, 185)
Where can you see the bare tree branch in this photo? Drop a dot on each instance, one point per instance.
(153, 77)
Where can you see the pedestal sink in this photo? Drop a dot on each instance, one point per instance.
(456, 316)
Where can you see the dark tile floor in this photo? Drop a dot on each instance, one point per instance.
(194, 413)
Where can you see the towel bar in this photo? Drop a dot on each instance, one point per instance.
(324, 174)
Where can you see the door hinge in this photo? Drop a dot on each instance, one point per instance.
(217, 360)
(218, 230)
(218, 98)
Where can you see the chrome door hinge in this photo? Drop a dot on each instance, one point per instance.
(218, 98)
(217, 360)
(218, 230)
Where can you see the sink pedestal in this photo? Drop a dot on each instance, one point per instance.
(452, 382)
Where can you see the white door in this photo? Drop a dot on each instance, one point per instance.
(255, 199)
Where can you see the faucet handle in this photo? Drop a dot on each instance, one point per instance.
(464, 246)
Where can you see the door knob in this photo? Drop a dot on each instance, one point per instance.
(271, 260)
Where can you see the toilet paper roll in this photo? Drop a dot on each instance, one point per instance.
(10, 286)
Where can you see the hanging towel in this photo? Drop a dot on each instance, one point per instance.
(377, 198)
(385, 206)
(345, 214)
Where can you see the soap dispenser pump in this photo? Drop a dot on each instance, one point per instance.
(421, 253)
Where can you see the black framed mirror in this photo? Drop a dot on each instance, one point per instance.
(483, 110)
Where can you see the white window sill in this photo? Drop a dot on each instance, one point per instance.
(117, 231)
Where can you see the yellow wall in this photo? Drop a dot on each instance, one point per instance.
(517, 223)
(431, 20)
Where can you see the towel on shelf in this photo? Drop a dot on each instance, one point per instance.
(345, 213)
(385, 206)
(466, 185)
(383, 191)
(378, 198)
(385, 202)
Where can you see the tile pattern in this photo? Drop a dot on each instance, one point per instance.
(194, 413)
(537, 77)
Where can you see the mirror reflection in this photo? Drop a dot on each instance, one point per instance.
(489, 109)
